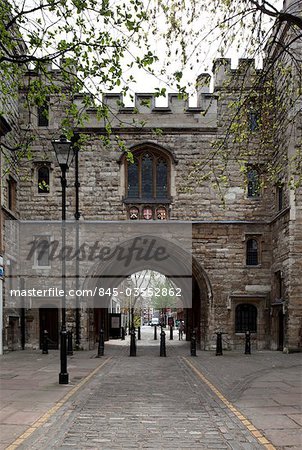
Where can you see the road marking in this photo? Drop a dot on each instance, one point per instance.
(43, 419)
(251, 428)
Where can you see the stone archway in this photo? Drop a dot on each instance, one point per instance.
(183, 269)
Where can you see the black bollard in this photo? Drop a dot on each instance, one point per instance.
(193, 343)
(247, 343)
(138, 333)
(123, 333)
(155, 332)
(69, 343)
(132, 342)
(219, 344)
(101, 346)
(171, 333)
(45, 343)
(162, 343)
(63, 375)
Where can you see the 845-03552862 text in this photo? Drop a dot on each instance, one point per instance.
(100, 291)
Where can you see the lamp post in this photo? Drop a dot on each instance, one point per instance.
(64, 155)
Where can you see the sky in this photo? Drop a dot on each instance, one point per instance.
(205, 49)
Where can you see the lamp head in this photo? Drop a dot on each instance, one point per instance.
(63, 151)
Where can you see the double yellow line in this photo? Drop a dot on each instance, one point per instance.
(253, 430)
(43, 419)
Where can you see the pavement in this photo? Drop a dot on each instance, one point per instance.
(234, 401)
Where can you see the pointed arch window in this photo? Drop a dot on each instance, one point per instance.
(147, 178)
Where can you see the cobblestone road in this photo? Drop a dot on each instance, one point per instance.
(143, 402)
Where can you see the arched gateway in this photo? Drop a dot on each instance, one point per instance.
(157, 254)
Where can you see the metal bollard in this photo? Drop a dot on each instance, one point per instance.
(155, 332)
(138, 333)
(193, 343)
(123, 333)
(162, 343)
(247, 350)
(132, 342)
(219, 344)
(171, 333)
(45, 343)
(101, 346)
(69, 343)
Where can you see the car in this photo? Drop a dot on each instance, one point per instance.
(154, 321)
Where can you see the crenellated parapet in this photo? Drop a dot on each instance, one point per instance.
(177, 113)
(231, 79)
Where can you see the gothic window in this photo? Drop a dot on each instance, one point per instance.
(252, 256)
(134, 213)
(245, 318)
(43, 113)
(148, 176)
(43, 180)
(253, 183)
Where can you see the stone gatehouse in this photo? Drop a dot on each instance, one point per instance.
(246, 239)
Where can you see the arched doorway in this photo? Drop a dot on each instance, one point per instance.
(186, 273)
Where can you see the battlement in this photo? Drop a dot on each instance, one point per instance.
(226, 77)
(177, 113)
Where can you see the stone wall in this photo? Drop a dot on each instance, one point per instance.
(220, 230)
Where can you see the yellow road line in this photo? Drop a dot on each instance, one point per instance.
(43, 419)
(253, 430)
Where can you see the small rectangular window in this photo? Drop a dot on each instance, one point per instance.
(252, 252)
(43, 114)
(253, 120)
(253, 183)
(11, 194)
(43, 180)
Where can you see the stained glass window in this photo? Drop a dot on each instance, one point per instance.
(133, 183)
(161, 178)
(147, 176)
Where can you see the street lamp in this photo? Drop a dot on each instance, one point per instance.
(64, 155)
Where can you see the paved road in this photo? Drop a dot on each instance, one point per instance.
(144, 402)
(176, 402)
